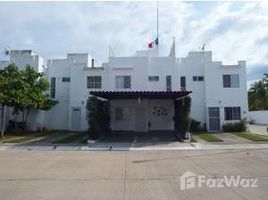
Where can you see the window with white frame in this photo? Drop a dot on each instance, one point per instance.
(230, 81)
(153, 78)
(123, 82)
(232, 113)
(94, 82)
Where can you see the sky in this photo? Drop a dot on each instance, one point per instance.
(232, 30)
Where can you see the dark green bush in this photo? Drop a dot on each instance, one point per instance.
(98, 117)
(235, 127)
(195, 125)
(181, 118)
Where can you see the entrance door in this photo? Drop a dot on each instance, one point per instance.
(76, 119)
(214, 118)
(140, 120)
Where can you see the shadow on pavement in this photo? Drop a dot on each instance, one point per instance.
(136, 139)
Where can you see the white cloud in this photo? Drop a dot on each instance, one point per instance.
(232, 30)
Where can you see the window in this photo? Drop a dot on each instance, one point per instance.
(231, 81)
(183, 83)
(198, 78)
(66, 79)
(168, 83)
(122, 113)
(53, 87)
(94, 82)
(123, 82)
(153, 78)
(232, 113)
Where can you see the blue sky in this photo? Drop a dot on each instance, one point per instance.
(232, 30)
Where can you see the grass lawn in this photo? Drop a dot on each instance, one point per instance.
(13, 138)
(70, 138)
(252, 137)
(209, 137)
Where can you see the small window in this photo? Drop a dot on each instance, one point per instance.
(231, 81)
(232, 113)
(66, 79)
(198, 78)
(94, 82)
(53, 87)
(183, 83)
(168, 83)
(153, 78)
(123, 82)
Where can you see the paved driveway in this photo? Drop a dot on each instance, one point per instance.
(258, 129)
(138, 139)
(30, 175)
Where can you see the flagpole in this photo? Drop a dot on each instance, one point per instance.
(157, 24)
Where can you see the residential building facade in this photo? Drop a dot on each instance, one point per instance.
(142, 89)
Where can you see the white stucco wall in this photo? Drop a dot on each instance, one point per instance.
(58, 116)
(218, 96)
(157, 122)
(259, 117)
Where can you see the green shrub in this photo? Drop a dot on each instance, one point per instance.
(181, 118)
(196, 126)
(98, 117)
(234, 127)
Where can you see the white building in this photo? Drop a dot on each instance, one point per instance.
(142, 89)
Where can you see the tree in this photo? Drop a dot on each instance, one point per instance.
(11, 90)
(35, 84)
(258, 94)
(23, 90)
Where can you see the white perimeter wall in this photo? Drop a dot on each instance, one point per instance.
(259, 117)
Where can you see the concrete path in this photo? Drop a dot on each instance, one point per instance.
(258, 129)
(230, 138)
(132, 175)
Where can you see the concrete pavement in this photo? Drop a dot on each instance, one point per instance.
(46, 175)
(137, 146)
(258, 129)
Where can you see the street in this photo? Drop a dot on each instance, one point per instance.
(42, 175)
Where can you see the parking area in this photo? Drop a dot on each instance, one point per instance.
(47, 175)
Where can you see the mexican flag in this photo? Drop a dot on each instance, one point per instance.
(153, 43)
